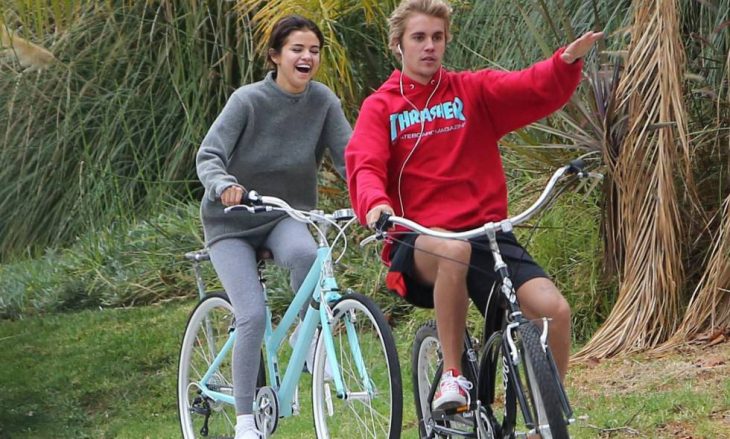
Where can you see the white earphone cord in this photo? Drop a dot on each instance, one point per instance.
(418, 140)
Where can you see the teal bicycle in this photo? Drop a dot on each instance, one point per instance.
(356, 380)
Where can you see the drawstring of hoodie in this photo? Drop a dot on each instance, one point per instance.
(420, 134)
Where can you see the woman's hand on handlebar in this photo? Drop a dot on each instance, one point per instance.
(375, 213)
(232, 195)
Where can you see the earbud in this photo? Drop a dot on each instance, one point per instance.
(400, 50)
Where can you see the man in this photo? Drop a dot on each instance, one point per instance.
(425, 147)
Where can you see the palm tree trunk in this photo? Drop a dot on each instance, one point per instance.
(709, 309)
(654, 152)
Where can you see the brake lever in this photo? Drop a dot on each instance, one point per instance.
(249, 209)
(252, 202)
(381, 229)
(369, 239)
(382, 224)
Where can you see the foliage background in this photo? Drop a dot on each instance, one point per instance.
(98, 195)
(103, 105)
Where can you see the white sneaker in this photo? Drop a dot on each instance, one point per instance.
(249, 433)
(246, 428)
(309, 360)
(453, 391)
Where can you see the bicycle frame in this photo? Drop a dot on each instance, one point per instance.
(318, 284)
(513, 315)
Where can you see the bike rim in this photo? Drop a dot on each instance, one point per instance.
(207, 331)
(428, 362)
(361, 414)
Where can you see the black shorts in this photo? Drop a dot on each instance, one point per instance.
(480, 277)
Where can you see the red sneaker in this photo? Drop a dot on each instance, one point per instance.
(453, 391)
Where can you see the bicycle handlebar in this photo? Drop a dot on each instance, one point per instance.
(386, 220)
(252, 202)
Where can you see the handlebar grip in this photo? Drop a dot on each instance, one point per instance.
(576, 166)
(252, 198)
(383, 222)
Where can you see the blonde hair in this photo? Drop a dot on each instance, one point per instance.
(401, 14)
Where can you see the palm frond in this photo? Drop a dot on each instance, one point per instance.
(337, 70)
(709, 307)
(655, 150)
(30, 56)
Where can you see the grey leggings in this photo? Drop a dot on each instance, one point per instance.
(234, 261)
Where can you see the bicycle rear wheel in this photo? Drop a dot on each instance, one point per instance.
(427, 361)
(207, 330)
(361, 413)
(543, 385)
(494, 391)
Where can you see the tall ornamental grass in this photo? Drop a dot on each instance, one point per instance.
(111, 128)
(134, 90)
(101, 136)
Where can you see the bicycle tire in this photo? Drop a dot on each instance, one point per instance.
(497, 395)
(543, 391)
(426, 359)
(206, 331)
(427, 362)
(358, 415)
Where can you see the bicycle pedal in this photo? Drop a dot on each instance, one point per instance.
(462, 409)
(444, 414)
(439, 414)
(454, 410)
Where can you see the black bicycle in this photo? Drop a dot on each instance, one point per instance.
(516, 351)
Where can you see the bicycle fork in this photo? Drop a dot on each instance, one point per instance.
(511, 361)
(350, 321)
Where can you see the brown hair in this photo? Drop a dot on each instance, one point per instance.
(286, 26)
(397, 20)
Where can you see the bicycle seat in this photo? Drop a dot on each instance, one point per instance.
(263, 254)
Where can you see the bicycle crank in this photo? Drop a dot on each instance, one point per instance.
(266, 410)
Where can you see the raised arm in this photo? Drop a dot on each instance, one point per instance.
(516, 99)
(580, 47)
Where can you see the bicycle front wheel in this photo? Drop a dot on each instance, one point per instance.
(364, 346)
(543, 385)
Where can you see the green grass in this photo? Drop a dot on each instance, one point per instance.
(90, 374)
(111, 374)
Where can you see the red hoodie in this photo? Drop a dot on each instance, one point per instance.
(454, 178)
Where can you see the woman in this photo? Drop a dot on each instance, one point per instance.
(271, 136)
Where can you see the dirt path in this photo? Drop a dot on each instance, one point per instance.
(681, 394)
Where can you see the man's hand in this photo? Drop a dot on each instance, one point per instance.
(372, 217)
(232, 195)
(580, 47)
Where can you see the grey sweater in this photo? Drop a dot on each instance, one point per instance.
(271, 141)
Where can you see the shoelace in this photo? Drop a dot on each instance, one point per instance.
(459, 382)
